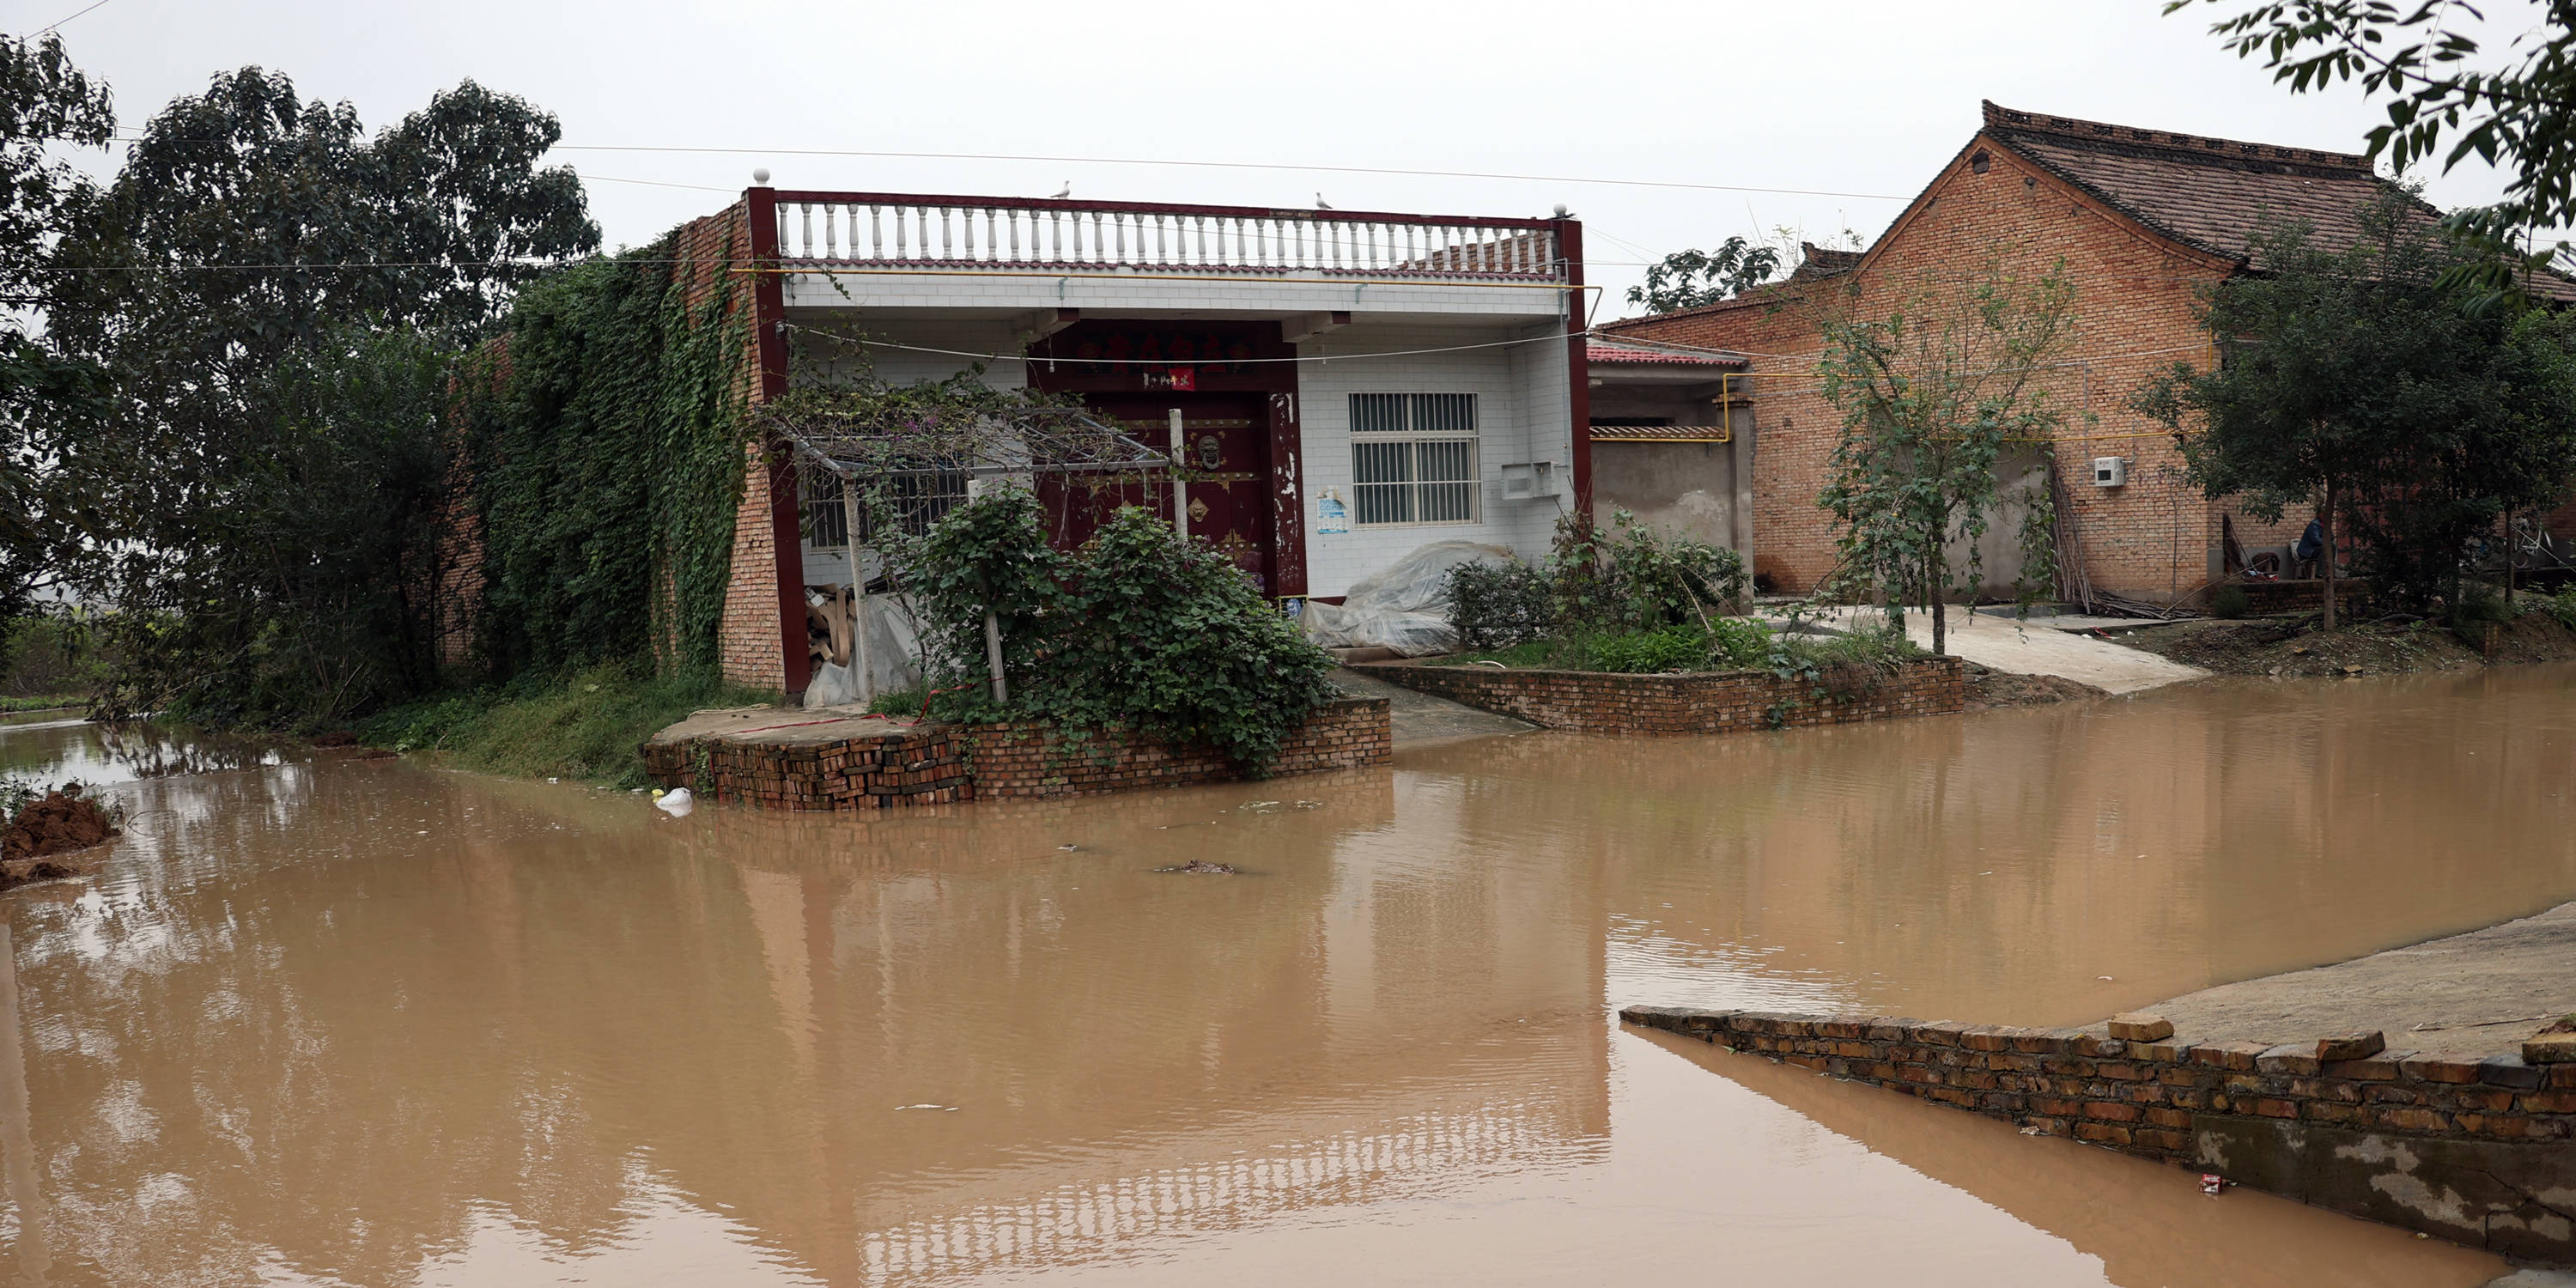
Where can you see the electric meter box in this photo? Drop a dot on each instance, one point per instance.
(2110, 471)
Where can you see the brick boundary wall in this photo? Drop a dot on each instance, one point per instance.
(2266, 598)
(1021, 761)
(2458, 1148)
(1719, 702)
(941, 764)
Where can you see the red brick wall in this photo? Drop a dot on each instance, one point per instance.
(1025, 761)
(749, 644)
(938, 764)
(2189, 1103)
(2133, 315)
(1728, 702)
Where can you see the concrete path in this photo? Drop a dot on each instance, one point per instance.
(1420, 717)
(2038, 646)
(2463, 997)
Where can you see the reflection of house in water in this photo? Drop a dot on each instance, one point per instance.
(1134, 1055)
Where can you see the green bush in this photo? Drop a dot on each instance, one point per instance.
(2230, 602)
(1629, 576)
(1498, 605)
(2479, 604)
(1139, 629)
(1739, 641)
(1674, 648)
(1878, 647)
(2561, 606)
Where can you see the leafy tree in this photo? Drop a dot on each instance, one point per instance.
(255, 249)
(2361, 382)
(2515, 107)
(1687, 279)
(44, 102)
(1932, 397)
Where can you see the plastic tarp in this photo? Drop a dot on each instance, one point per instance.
(894, 649)
(1404, 606)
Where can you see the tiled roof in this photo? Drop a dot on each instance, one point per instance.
(2203, 192)
(2211, 193)
(1658, 433)
(1600, 352)
(1823, 261)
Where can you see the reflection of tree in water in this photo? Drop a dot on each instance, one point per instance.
(157, 751)
(313, 1039)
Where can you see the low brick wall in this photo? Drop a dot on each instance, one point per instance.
(2267, 598)
(2469, 1150)
(1722, 702)
(922, 766)
(1025, 761)
(939, 764)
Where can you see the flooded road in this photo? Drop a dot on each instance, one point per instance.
(326, 1022)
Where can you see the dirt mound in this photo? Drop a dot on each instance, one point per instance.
(56, 823)
(2293, 646)
(1991, 688)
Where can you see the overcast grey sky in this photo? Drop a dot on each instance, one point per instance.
(1842, 96)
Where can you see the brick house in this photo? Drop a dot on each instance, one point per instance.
(2141, 221)
(1356, 384)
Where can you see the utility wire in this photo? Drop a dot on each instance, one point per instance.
(1397, 171)
(60, 21)
(1219, 165)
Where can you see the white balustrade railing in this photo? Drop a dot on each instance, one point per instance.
(932, 234)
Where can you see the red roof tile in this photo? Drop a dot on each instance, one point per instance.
(1600, 352)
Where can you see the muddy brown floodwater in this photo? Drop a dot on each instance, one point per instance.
(333, 1022)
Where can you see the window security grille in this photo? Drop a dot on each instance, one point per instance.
(1413, 458)
(918, 500)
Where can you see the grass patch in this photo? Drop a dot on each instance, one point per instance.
(587, 725)
(9, 705)
(1737, 644)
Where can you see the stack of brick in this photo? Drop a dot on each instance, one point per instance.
(1719, 702)
(924, 766)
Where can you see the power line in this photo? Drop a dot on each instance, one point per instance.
(60, 21)
(1397, 171)
(1221, 165)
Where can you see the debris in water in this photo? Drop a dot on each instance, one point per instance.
(59, 821)
(1310, 804)
(2104, 978)
(2212, 1182)
(945, 1109)
(675, 802)
(1068, 846)
(1202, 865)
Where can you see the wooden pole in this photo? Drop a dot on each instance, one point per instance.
(1180, 490)
(861, 656)
(993, 658)
(2326, 528)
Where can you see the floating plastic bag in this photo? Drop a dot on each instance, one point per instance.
(1404, 606)
(675, 802)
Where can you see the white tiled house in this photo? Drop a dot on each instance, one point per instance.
(1359, 384)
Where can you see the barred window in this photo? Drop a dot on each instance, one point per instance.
(1413, 458)
(917, 499)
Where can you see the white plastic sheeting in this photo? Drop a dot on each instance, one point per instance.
(894, 651)
(1404, 606)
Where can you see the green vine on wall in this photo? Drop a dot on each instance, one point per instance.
(606, 437)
